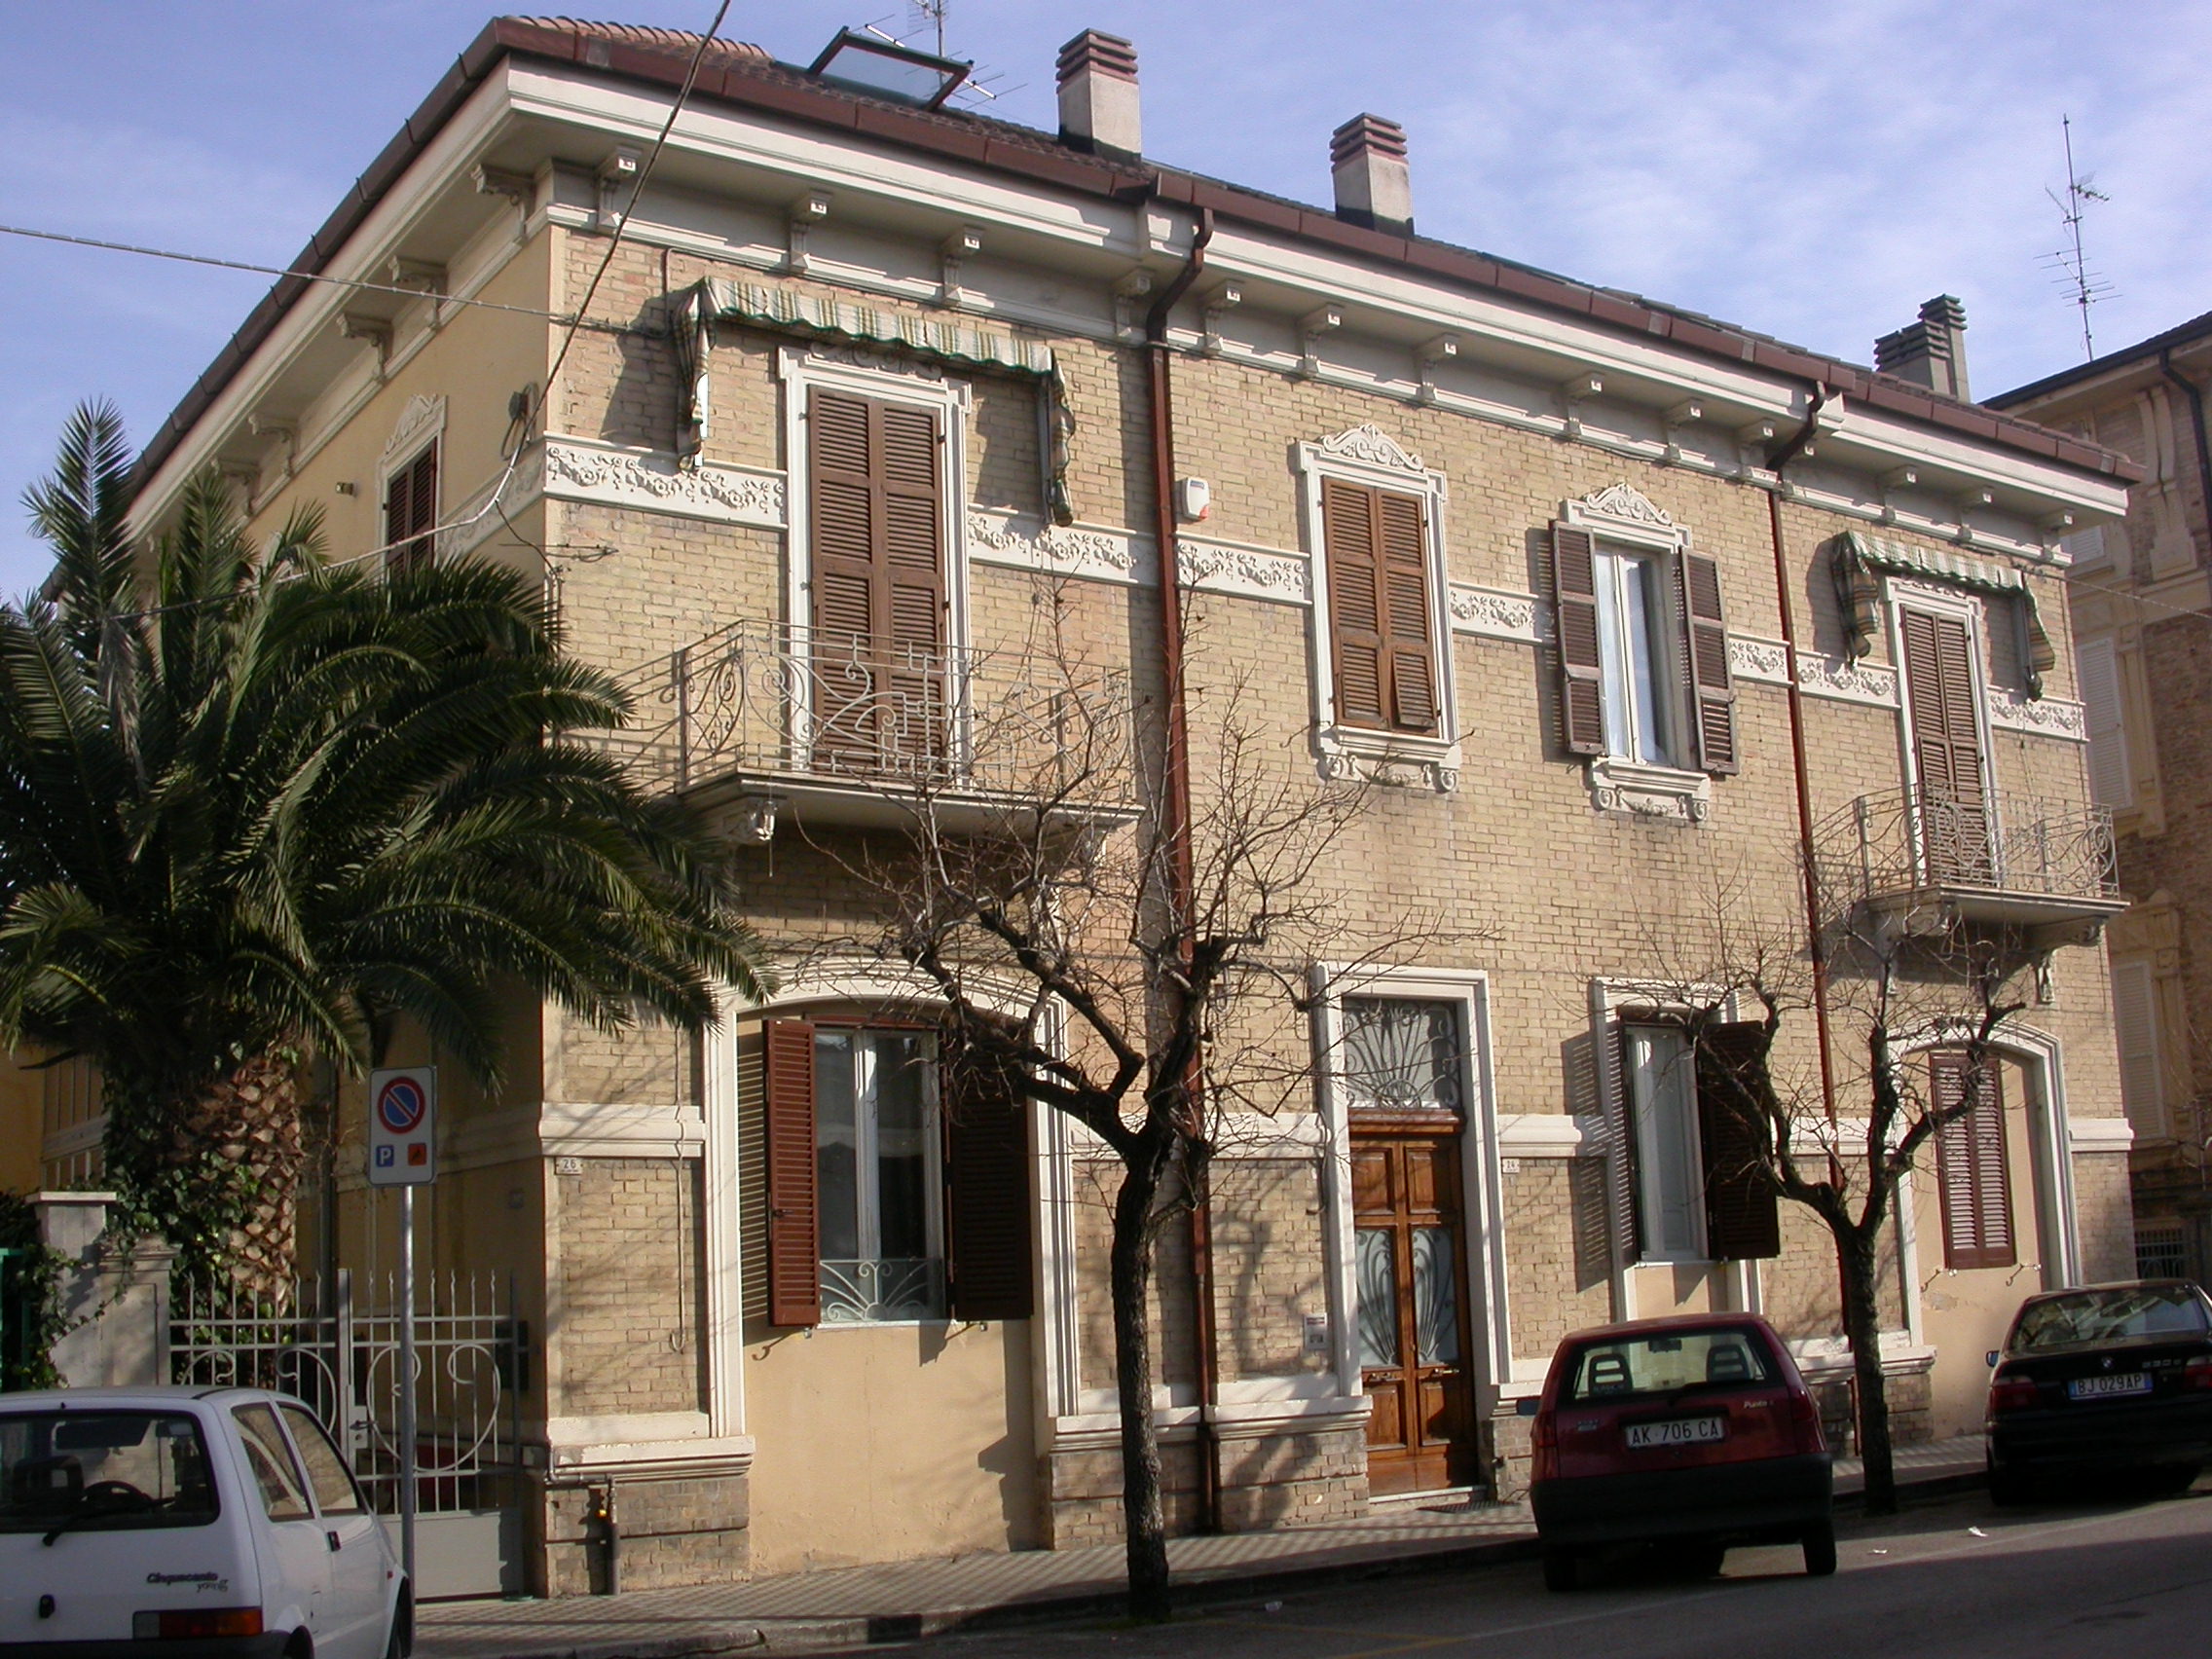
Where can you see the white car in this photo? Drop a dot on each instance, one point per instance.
(189, 1524)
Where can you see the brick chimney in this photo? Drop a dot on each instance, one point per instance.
(1374, 186)
(1098, 96)
(1931, 352)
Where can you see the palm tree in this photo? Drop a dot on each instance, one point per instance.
(256, 807)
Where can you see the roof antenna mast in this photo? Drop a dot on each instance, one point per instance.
(2084, 288)
(931, 14)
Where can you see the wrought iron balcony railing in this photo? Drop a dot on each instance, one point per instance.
(785, 706)
(2006, 858)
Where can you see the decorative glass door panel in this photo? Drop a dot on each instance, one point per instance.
(1411, 1266)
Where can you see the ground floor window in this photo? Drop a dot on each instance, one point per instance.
(876, 1174)
(1669, 1158)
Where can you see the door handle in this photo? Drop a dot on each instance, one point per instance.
(332, 1539)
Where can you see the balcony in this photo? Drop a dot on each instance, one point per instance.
(1923, 863)
(837, 730)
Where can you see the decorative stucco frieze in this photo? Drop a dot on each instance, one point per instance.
(1255, 572)
(1026, 541)
(1848, 682)
(2046, 716)
(1766, 661)
(1498, 613)
(1629, 504)
(651, 479)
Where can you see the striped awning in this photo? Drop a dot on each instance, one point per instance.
(1859, 558)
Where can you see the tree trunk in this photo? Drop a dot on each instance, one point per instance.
(1142, 1515)
(1863, 1324)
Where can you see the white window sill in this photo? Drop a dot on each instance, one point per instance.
(1641, 791)
(1401, 760)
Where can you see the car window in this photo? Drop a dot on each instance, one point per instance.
(2083, 1318)
(1667, 1362)
(103, 1470)
(283, 1489)
(334, 1491)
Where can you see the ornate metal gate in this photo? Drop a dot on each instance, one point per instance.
(337, 1347)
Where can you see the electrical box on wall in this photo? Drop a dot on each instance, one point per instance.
(1194, 499)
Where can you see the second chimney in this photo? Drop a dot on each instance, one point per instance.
(1931, 352)
(1375, 188)
(1098, 96)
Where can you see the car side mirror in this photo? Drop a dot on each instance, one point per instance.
(1990, 1359)
(1528, 1407)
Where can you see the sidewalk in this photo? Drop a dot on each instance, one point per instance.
(855, 1606)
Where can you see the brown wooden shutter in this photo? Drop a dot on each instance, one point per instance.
(987, 1199)
(795, 1248)
(1402, 537)
(1946, 746)
(1624, 1172)
(1355, 601)
(1383, 643)
(1974, 1184)
(1574, 606)
(876, 506)
(410, 510)
(1704, 662)
(1742, 1216)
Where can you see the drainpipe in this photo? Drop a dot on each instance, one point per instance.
(1817, 948)
(2195, 395)
(1175, 826)
(601, 1517)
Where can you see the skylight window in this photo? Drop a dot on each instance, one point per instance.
(871, 64)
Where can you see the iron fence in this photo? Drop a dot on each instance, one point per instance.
(1908, 840)
(757, 697)
(337, 1349)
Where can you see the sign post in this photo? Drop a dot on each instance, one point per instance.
(403, 1117)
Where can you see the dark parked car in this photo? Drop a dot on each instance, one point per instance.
(1694, 1432)
(2109, 1378)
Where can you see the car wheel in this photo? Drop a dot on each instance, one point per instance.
(2008, 1487)
(1697, 1560)
(1818, 1544)
(401, 1640)
(2176, 1479)
(1559, 1568)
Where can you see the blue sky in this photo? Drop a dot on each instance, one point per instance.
(1813, 170)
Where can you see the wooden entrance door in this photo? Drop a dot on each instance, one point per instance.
(1409, 1231)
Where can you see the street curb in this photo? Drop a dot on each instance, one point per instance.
(839, 1634)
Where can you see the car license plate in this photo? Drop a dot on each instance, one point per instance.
(2109, 1388)
(1678, 1431)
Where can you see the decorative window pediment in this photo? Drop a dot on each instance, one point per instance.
(1371, 446)
(421, 422)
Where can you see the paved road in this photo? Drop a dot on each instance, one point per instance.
(1952, 1581)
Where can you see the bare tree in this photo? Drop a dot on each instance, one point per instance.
(1148, 979)
(1890, 994)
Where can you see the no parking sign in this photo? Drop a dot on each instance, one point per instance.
(403, 1117)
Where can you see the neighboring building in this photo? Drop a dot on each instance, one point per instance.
(2143, 634)
(865, 395)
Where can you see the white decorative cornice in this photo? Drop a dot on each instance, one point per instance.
(2046, 716)
(1098, 553)
(423, 420)
(1498, 613)
(1628, 504)
(1371, 446)
(652, 480)
(1255, 572)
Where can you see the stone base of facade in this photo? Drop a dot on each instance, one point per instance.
(673, 1529)
(1279, 1479)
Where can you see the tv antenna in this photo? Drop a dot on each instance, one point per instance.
(932, 18)
(2086, 287)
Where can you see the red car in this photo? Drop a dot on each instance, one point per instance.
(1694, 1432)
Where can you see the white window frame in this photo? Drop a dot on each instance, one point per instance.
(1487, 1341)
(1368, 456)
(2112, 746)
(1623, 520)
(2150, 1117)
(917, 383)
(1620, 705)
(868, 1190)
